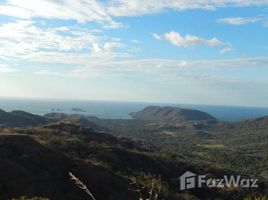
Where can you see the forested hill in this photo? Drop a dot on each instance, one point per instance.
(171, 114)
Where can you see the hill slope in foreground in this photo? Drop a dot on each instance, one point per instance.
(28, 168)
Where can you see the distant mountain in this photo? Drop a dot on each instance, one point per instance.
(171, 114)
(258, 123)
(74, 118)
(20, 119)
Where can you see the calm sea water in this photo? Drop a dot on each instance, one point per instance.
(121, 110)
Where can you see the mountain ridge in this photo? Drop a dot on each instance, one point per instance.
(172, 114)
(19, 118)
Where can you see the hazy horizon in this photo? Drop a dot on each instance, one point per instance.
(122, 109)
(125, 101)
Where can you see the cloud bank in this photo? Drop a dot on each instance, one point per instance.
(104, 12)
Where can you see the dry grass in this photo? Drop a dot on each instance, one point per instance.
(148, 185)
(81, 185)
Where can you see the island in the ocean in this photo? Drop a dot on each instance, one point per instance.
(56, 109)
(78, 110)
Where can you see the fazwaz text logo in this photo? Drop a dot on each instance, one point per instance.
(189, 180)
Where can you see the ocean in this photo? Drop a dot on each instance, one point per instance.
(121, 110)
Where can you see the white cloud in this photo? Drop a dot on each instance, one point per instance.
(79, 10)
(24, 40)
(6, 68)
(26, 37)
(190, 78)
(177, 39)
(138, 7)
(136, 41)
(165, 67)
(240, 20)
(103, 12)
(156, 36)
(226, 50)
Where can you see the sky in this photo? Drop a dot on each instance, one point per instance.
(212, 52)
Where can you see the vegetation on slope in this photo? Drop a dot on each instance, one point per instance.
(142, 151)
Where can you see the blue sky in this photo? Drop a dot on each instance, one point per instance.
(177, 51)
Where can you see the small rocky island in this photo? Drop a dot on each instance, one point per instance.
(78, 110)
